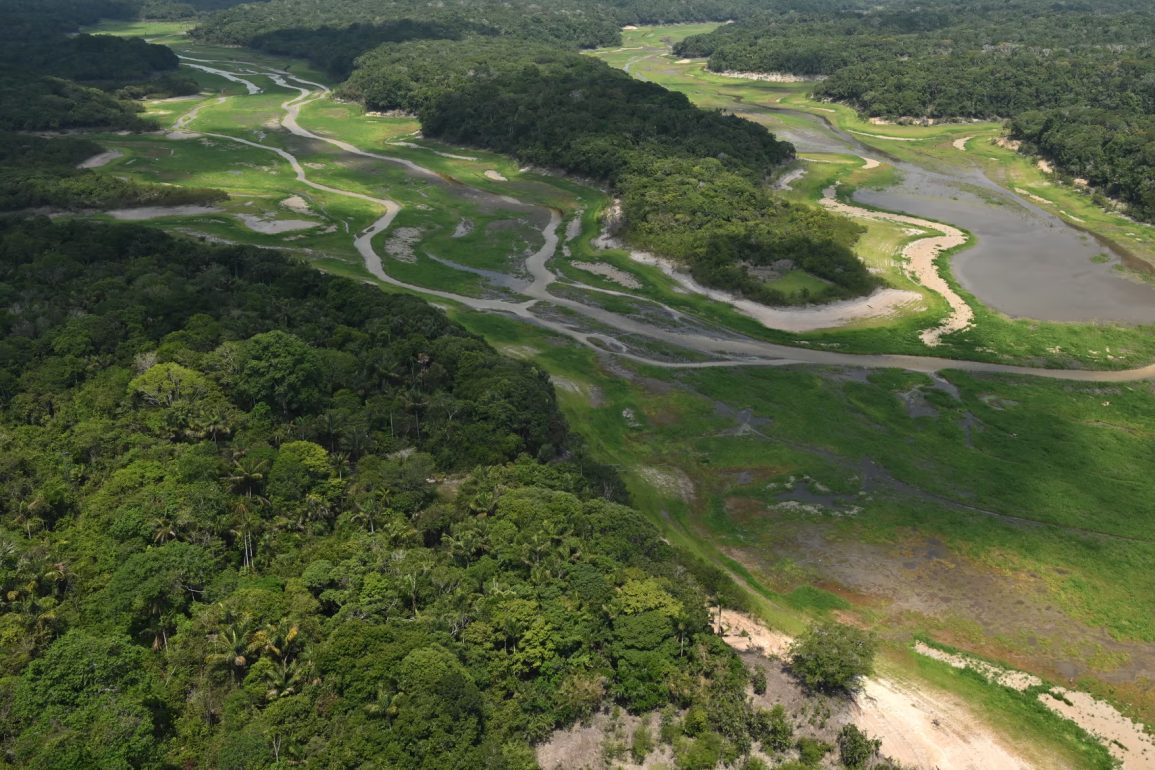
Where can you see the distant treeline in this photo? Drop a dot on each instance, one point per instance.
(1075, 78)
(52, 79)
(333, 34)
(690, 179)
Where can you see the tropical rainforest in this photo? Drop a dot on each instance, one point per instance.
(225, 504)
(1073, 79)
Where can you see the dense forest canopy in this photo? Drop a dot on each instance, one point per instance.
(691, 180)
(1075, 78)
(52, 78)
(225, 538)
(333, 34)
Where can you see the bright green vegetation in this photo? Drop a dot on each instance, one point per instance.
(36, 172)
(713, 487)
(1071, 78)
(994, 336)
(876, 485)
(834, 657)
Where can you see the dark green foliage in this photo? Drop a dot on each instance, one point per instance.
(50, 79)
(1114, 152)
(856, 748)
(1074, 78)
(41, 103)
(690, 180)
(772, 729)
(36, 171)
(293, 23)
(831, 656)
(811, 751)
(218, 550)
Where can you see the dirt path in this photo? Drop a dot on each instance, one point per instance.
(921, 255)
(922, 728)
(1126, 739)
(961, 144)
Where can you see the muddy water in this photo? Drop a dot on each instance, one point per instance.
(1024, 261)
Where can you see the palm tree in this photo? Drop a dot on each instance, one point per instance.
(246, 523)
(284, 678)
(164, 529)
(231, 644)
(279, 641)
(247, 475)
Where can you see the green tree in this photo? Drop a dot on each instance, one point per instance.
(831, 656)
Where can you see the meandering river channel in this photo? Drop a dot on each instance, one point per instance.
(720, 350)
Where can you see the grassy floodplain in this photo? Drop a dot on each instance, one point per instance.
(1019, 506)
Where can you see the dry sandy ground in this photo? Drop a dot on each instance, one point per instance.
(784, 182)
(922, 728)
(101, 159)
(772, 77)
(961, 143)
(920, 256)
(1127, 741)
(401, 242)
(609, 272)
(298, 204)
(495, 176)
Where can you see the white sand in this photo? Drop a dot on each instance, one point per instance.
(1125, 739)
(880, 304)
(772, 77)
(101, 159)
(960, 144)
(887, 138)
(495, 176)
(920, 256)
(919, 727)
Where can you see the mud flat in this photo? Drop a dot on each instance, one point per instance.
(609, 272)
(276, 226)
(145, 213)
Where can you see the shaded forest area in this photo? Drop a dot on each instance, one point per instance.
(251, 513)
(691, 180)
(53, 79)
(333, 34)
(1074, 80)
